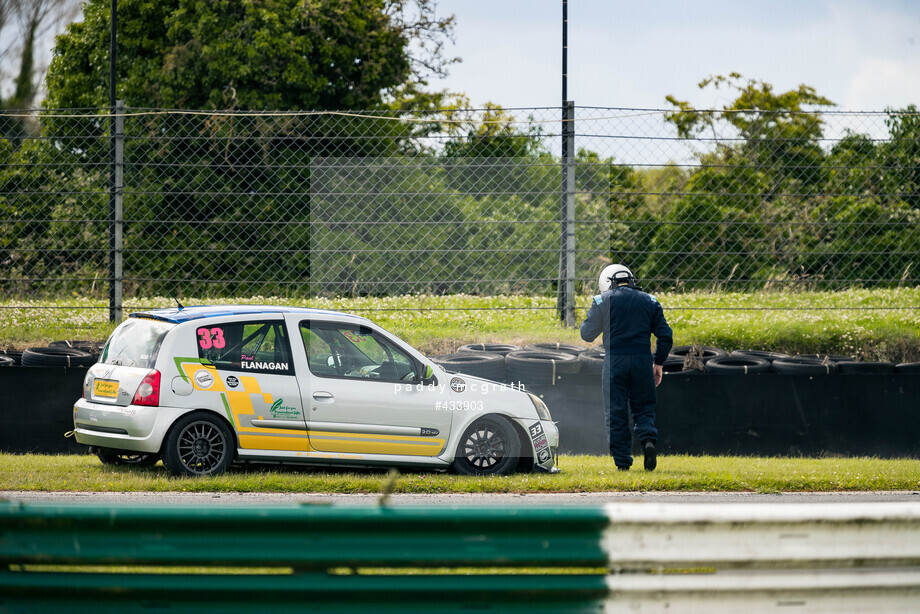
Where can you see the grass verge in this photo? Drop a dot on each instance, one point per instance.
(869, 324)
(579, 474)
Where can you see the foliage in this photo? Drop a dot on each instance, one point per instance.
(264, 55)
(771, 202)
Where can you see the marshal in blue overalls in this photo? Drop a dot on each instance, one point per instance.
(627, 317)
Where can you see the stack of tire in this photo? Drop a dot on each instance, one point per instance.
(62, 354)
(690, 359)
(758, 361)
(543, 363)
(540, 363)
(485, 360)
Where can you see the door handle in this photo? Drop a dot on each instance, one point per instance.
(323, 397)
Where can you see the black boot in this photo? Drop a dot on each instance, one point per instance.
(651, 455)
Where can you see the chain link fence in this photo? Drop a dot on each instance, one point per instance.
(221, 205)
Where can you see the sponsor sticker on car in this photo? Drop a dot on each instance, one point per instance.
(204, 379)
(105, 388)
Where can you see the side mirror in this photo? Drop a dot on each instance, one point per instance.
(428, 378)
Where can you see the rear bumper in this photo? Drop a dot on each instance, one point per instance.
(132, 427)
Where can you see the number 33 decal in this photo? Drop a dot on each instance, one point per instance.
(209, 338)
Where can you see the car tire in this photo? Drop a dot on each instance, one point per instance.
(6, 361)
(857, 367)
(90, 347)
(56, 357)
(708, 352)
(198, 444)
(676, 364)
(804, 366)
(574, 350)
(592, 360)
(120, 457)
(544, 367)
(488, 365)
(737, 364)
(494, 348)
(14, 355)
(489, 446)
(823, 357)
(771, 356)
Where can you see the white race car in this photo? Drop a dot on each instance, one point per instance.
(204, 387)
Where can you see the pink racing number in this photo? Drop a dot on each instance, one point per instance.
(218, 337)
(205, 341)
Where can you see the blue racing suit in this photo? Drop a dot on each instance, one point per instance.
(627, 317)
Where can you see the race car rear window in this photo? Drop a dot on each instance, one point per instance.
(135, 343)
(257, 347)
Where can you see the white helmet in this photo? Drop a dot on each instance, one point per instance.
(613, 272)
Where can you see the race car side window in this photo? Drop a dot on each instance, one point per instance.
(258, 347)
(354, 352)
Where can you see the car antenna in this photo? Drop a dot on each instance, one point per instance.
(181, 307)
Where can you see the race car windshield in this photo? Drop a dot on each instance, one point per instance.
(135, 343)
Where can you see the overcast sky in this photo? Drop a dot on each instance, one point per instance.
(863, 55)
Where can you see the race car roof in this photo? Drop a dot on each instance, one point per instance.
(197, 312)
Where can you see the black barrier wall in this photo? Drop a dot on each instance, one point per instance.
(758, 414)
(37, 408)
(701, 413)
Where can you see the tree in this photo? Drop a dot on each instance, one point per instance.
(255, 55)
(779, 131)
(32, 21)
(901, 155)
(744, 206)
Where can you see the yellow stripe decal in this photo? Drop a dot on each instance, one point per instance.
(265, 442)
(407, 442)
(378, 447)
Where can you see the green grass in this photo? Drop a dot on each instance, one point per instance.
(869, 324)
(579, 474)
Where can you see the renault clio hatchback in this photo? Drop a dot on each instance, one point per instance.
(204, 387)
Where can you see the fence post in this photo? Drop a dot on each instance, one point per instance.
(566, 302)
(116, 214)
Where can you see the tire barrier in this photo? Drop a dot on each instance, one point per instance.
(531, 367)
(494, 348)
(6, 361)
(56, 357)
(713, 558)
(708, 353)
(771, 356)
(855, 367)
(807, 366)
(794, 414)
(592, 360)
(737, 365)
(907, 367)
(574, 350)
(488, 365)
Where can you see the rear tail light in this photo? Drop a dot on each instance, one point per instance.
(148, 393)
